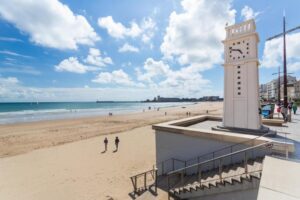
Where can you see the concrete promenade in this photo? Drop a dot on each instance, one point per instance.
(291, 130)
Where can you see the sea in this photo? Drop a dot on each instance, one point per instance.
(38, 111)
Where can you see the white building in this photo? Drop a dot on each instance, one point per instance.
(272, 87)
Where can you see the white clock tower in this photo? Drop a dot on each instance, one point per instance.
(241, 96)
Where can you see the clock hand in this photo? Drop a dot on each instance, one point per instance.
(236, 50)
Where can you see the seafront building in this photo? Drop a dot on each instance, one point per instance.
(238, 156)
(269, 90)
(297, 89)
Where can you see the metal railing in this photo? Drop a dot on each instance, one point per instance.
(198, 168)
(172, 164)
(169, 165)
(144, 181)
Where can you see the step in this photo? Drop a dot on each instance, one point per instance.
(231, 174)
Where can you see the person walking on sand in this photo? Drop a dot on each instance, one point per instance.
(117, 143)
(105, 143)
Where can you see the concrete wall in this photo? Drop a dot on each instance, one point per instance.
(280, 180)
(183, 147)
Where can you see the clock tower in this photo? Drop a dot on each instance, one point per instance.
(241, 96)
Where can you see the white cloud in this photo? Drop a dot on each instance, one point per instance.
(272, 55)
(10, 39)
(49, 23)
(7, 86)
(9, 81)
(248, 13)
(294, 66)
(149, 27)
(11, 89)
(11, 53)
(153, 69)
(117, 29)
(115, 77)
(145, 30)
(72, 65)
(95, 58)
(193, 37)
(128, 48)
(185, 81)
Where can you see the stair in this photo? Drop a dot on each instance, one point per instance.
(231, 174)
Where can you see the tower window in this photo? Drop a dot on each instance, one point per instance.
(239, 93)
(239, 83)
(238, 67)
(239, 77)
(239, 88)
(239, 72)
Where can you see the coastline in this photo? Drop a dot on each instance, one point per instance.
(21, 138)
(19, 112)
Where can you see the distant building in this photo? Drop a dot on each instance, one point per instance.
(211, 98)
(263, 91)
(269, 90)
(290, 91)
(175, 99)
(297, 89)
(167, 99)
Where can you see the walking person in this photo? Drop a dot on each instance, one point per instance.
(284, 113)
(105, 143)
(295, 108)
(117, 143)
(290, 106)
(278, 110)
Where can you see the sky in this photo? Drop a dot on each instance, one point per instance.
(72, 50)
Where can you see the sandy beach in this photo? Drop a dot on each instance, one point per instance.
(63, 159)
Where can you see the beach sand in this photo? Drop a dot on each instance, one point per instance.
(36, 166)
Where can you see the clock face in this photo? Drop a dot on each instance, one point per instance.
(239, 50)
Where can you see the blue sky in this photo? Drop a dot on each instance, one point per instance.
(130, 50)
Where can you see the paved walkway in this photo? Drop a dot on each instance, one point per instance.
(291, 130)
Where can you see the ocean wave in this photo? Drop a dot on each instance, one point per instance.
(32, 112)
(30, 115)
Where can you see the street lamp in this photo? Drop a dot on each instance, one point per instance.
(285, 98)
